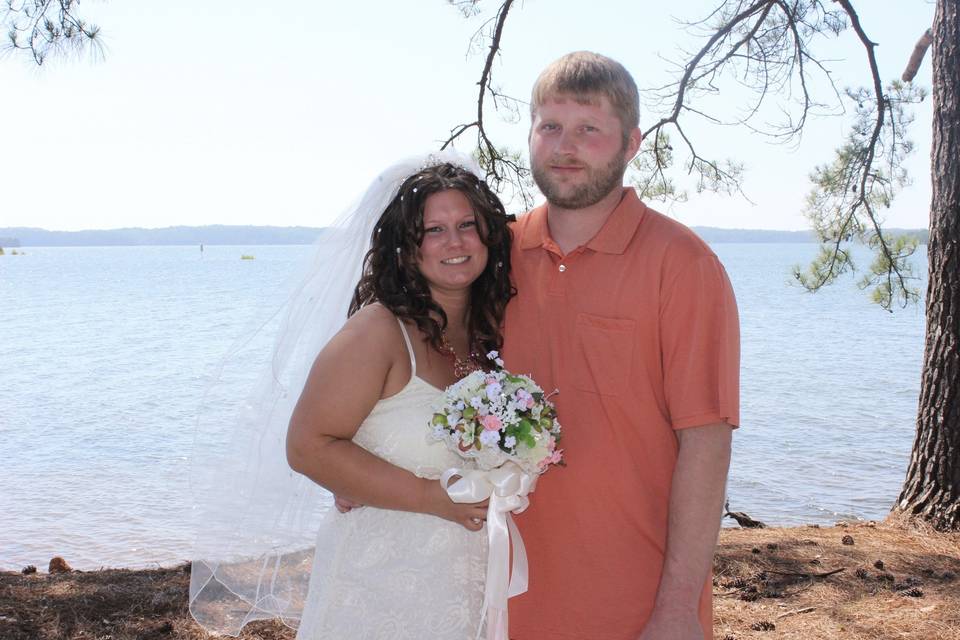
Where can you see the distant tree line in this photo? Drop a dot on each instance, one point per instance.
(266, 235)
(210, 235)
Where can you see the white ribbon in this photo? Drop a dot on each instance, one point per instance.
(507, 488)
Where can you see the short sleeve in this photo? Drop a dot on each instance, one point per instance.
(700, 339)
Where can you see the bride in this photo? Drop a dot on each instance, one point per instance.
(429, 302)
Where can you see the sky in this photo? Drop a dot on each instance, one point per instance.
(260, 113)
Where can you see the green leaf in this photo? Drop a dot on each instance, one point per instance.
(523, 429)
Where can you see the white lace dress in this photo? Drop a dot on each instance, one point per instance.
(392, 575)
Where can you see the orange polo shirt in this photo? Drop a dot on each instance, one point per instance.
(638, 330)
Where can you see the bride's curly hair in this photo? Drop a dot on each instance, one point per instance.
(392, 278)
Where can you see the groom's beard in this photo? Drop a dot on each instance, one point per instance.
(599, 182)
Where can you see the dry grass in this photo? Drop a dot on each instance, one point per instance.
(781, 577)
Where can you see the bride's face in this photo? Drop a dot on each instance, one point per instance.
(452, 254)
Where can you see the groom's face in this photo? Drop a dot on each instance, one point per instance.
(577, 150)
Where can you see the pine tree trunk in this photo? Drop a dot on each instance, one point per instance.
(931, 490)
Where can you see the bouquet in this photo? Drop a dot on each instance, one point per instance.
(497, 417)
(508, 425)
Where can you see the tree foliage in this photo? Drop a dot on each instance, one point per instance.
(506, 169)
(768, 49)
(41, 28)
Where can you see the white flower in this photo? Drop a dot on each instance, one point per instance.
(465, 392)
(476, 403)
(509, 442)
(495, 357)
(493, 391)
(489, 438)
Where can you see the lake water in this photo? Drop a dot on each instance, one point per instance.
(105, 353)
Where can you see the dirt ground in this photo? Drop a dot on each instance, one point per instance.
(861, 581)
(857, 581)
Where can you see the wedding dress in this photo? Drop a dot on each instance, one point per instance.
(393, 575)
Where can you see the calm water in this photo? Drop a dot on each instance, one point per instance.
(105, 352)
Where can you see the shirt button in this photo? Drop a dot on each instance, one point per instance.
(563, 268)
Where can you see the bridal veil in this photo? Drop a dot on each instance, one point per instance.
(255, 519)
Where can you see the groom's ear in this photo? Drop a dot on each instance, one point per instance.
(634, 139)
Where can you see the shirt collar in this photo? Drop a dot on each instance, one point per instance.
(613, 237)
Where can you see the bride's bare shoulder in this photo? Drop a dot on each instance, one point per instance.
(373, 323)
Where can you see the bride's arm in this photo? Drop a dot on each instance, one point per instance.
(346, 381)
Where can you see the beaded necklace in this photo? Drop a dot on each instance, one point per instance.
(462, 367)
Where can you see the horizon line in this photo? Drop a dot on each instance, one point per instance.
(307, 227)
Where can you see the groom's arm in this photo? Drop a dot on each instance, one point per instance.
(696, 500)
(700, 342)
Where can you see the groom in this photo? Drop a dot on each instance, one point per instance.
(633, 319)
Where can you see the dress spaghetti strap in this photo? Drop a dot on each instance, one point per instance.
(413, 358)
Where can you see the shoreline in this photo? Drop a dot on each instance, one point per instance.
(728, 524)
(863, 580)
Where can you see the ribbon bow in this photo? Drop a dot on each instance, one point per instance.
(507, 487)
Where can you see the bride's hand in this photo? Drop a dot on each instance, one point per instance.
(468, 515)
(345, 505)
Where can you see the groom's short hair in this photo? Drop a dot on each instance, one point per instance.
(584, 75)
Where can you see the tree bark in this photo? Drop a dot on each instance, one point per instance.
(916, 58)
(931, 490)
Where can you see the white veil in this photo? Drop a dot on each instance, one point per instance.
(255, 519)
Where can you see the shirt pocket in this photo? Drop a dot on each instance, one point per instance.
(603, 355)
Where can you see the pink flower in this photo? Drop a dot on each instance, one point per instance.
(524, 399)
(491, 423)
(553, 458)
